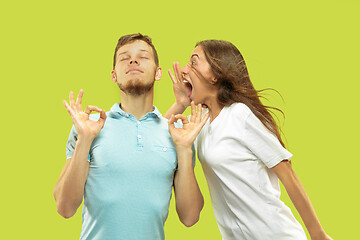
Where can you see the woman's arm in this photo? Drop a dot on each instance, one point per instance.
(300, 200)
(176, 108)
(188, 197)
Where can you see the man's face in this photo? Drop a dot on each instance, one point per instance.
(135, 69)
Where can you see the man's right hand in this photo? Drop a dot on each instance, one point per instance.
(184, 137)
(85, 127)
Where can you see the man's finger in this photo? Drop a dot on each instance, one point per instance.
(102, 118)
(68, 108)
(71, 99)
(103, 115)
(171, 122)
(71, 112)
(204, 119)
(183, 118)
(198, 113)
(79, 97)
(90, 108)
(202, 123)
(193, 111)
(79, 100)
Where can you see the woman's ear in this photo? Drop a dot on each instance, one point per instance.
(213, 81)
(158, 73)
(113, 76)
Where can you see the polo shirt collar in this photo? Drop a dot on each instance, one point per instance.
(115, 109)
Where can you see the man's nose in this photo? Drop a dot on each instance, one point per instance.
(134, 61)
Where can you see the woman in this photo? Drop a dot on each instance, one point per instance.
(240, 148)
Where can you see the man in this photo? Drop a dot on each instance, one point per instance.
(123, 163)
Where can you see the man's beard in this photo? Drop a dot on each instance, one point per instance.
(135, 87)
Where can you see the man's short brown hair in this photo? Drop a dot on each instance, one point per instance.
(133, 37)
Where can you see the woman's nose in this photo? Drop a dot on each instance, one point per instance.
(185, 69)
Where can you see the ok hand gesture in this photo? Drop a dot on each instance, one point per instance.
(85, 127)
(185, 136)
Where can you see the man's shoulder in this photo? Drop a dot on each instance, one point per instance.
(162, 124)
(163, 120)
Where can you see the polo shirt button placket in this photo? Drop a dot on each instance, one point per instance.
(139, 135)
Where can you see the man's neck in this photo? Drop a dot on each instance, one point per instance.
(139, 105)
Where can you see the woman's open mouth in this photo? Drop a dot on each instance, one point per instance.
(188, 86)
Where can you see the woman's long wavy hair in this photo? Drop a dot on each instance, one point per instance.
(233, 82)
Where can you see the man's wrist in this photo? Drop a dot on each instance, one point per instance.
(185, 157)
(184, 152)
(184, 148)
(84, 140)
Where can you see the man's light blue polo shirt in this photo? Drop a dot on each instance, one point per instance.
(128, 189)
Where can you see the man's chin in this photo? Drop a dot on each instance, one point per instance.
(136, 87)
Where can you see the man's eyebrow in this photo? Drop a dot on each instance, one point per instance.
(195, 55)
(141, 50)
(122, 53)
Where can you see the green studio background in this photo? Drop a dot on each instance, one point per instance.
(306, 50)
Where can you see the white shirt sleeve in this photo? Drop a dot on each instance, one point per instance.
(263, 143)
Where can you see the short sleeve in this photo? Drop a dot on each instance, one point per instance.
(263, 143)
(70, 145)
(194, 155)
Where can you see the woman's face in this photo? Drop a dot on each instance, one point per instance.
(198, 73)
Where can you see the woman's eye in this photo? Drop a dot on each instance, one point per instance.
(124, 58)
(193, 63)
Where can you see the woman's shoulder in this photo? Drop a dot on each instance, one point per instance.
(239, 110)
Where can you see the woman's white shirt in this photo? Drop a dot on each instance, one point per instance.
(236, 151)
